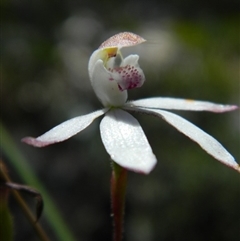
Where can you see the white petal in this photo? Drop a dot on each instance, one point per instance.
(126, 142)
(65, 130)
(181, 104)
(105, 87)
(207, 142)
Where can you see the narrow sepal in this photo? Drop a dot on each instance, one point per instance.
(180, 104)
(65, 130)
(207, 142)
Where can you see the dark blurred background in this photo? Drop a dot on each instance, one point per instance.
(192, 52)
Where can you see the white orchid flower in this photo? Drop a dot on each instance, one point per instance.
(111, 76)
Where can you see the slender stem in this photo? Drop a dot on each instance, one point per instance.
(118, 192)
(38, 229)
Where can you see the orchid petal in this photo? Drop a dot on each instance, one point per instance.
(207, 142)
(106, 89)
(65, 130)
(126, 142)
(120, 40)
(180, 104)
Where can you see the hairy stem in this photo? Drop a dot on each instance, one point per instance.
(118, 192)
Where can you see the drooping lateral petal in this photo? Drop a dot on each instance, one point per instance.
(106, 88)
(180, 104)
(65, 130)
(207, 142)
(126, 142)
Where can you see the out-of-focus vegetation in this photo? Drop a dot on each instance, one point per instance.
(192, 52)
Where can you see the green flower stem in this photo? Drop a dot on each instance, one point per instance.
(118, 192)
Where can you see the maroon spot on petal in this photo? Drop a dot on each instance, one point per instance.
(130, 77)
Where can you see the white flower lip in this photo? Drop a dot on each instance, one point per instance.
(128, 76)
(121, 133)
